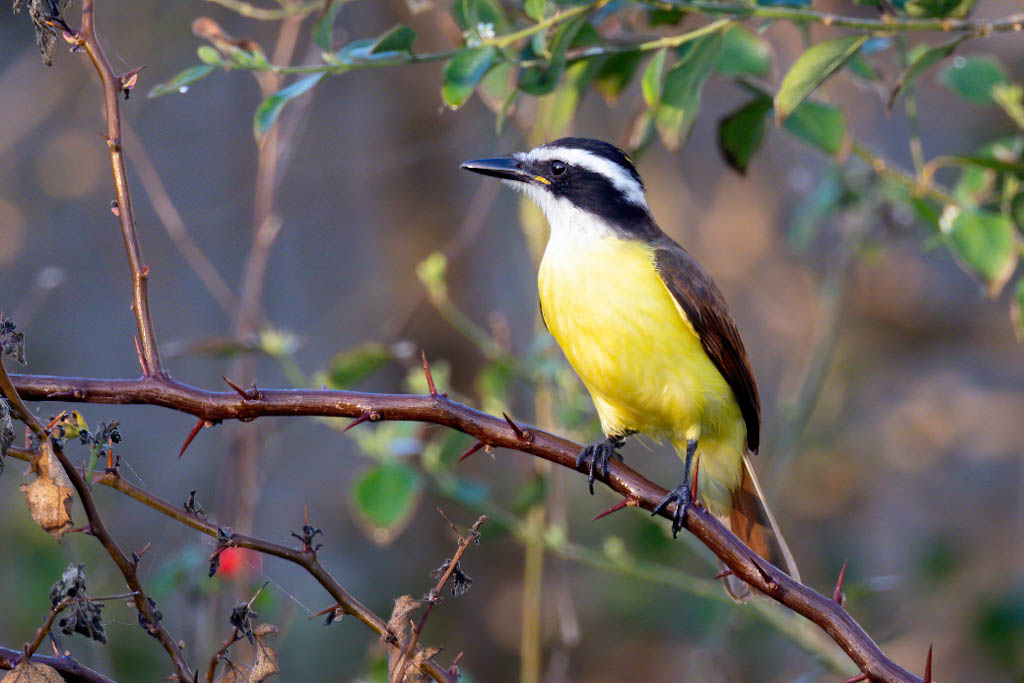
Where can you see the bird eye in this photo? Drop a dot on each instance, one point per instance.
(557, 167)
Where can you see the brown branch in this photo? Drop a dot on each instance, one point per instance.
(112, 89)
(398, 673)
(30, 648)
(147, 613)
(161, 391)
(305, 558)
(69, 668)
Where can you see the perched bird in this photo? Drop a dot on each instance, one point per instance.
(648, 332)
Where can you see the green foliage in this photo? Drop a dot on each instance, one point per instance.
(349, 368)
(973, 78)
(984, 241)
(462, 73)
(744, 53)
(919, 59)
(811, 69)
(183, 80)
(676, 109)
(270, 108)
(955, 9)
(384, 496)
(741, 133)
(398, 39)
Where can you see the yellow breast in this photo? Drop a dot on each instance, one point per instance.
(629, 341)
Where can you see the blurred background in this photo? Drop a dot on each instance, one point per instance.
(893, 388)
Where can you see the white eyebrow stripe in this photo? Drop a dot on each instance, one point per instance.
(619, 177)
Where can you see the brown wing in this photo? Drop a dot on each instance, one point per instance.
(706, 310)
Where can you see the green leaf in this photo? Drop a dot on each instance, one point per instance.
(535, 9)
(470, 14)
(811, 69)
(984, 242)
(974, 77)
(680, 95)
(819, 124)
(323, 30)
(398, 39)
(616, 73)
(349, 368)
(462, 72)
(955, 9)
(356, 51)
(271, 108)
(651, 81)
(920, 58)
(183, 80)
(209, 55)
(541, 80)
(744, 53)
(384, 497)
(741, 133)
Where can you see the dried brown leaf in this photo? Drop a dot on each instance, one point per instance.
(233, 673)
(28, 671)
(50, 496)
(266, 657)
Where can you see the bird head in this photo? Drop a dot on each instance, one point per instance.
(574, 176)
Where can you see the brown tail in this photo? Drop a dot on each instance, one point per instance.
(752, 521)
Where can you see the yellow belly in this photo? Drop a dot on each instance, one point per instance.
(638, 355)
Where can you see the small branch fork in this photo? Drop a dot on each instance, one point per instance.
(398, 673)
(69, 668)
(113, 86)
(494, 431)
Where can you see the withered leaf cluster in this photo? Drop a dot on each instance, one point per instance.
(6, 431)
(50, 496)
(43, 14)
(461, 581)
(12, 342)
(83, 614)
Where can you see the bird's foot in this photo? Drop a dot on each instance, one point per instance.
(681, 496)
(596, 457)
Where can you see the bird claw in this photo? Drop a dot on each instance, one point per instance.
(681, 496)
(596, 457)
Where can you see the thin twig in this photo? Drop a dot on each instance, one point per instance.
(112, 88)
(30, 648)
(406, 658)
(162, 391)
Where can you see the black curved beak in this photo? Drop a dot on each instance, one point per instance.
(504, 168)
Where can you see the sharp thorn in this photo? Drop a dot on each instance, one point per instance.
(837, 594)
(191, 435)
(624, 503)
(238, 390)
(430, 378)
(764, 572)
(371, 416)
(724, 573)
(471, 450)
(326, 610)
(928, 666)
(520, 433)
(856, 679)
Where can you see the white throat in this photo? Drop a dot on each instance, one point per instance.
(569, 223)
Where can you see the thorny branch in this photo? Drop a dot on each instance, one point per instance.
(305, 558)
(149, 355)
(495, 432)
(148, 616)
(450, 567)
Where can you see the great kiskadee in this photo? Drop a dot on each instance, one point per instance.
(647, 331)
